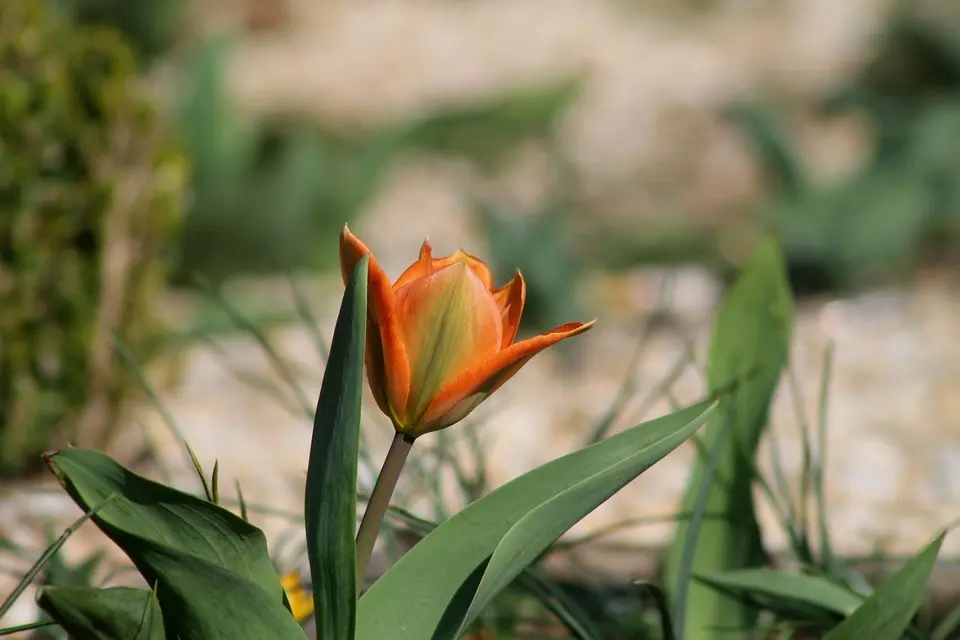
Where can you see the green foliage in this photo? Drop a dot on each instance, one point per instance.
(488, 131)
(887, 613)
(208, 574)
(455, 570)
(330, 507)
(105, 614)
(749, 346)
(267, 194)
(794, 596)
(540, 245)
(901, 209)
(150, 26)
(200, 558)
(90, 193)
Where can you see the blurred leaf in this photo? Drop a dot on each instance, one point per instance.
(886, 614)
(537, 245)
(151, 26)
(750, 344)
(857, 232)
(791, 595)
(566, 608)
(104, 614)
(266, 190)
(663, 608)
(331, 491)
(777, 152)
(948, 626)
(450, 575)
(688, 555)
(486, 132)
(220, 143)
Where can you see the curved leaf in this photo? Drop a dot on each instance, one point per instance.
(430, 592)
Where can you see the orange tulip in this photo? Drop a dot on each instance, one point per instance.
(440, 339)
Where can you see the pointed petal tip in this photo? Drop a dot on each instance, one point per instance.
(426, 249)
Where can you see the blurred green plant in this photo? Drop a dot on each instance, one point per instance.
(901, 209)
(486, 132)
(149, 26)
(90, 196)
(266, 193)
(540, 245)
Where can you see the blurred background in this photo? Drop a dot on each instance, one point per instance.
(158, 152)
(635, 131)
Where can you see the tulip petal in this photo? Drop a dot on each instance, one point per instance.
(388, 368)
(478, 266)
(511, 298)
(420, 268)
(460, 396)
(449, 322)
(427, 264)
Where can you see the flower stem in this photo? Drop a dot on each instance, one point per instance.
(380, 501)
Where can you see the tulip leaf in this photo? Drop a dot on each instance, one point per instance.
(440, 585)
(790, 595)
(749, 347)
(150, 511)
(104, 614)
(180, 542)
(205, 601)
(331, 491)
(887, 613)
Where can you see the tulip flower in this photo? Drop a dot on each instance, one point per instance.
(439, 341)
(441, 338)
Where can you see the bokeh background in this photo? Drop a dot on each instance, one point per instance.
(168, 167)
(634, 131)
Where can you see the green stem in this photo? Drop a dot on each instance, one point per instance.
(380, 501)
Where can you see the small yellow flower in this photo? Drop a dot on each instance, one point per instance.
(300, 598)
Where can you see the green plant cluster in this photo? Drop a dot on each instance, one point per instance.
(208, 574)
(150, 27)
(900, 210)
(268, 193)
(90, 196)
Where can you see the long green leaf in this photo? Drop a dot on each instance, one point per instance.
(104, 614)
(749, 345)
(886, 614)
(787, 594)
(331, 492)
(430, 592)
(543, 525)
